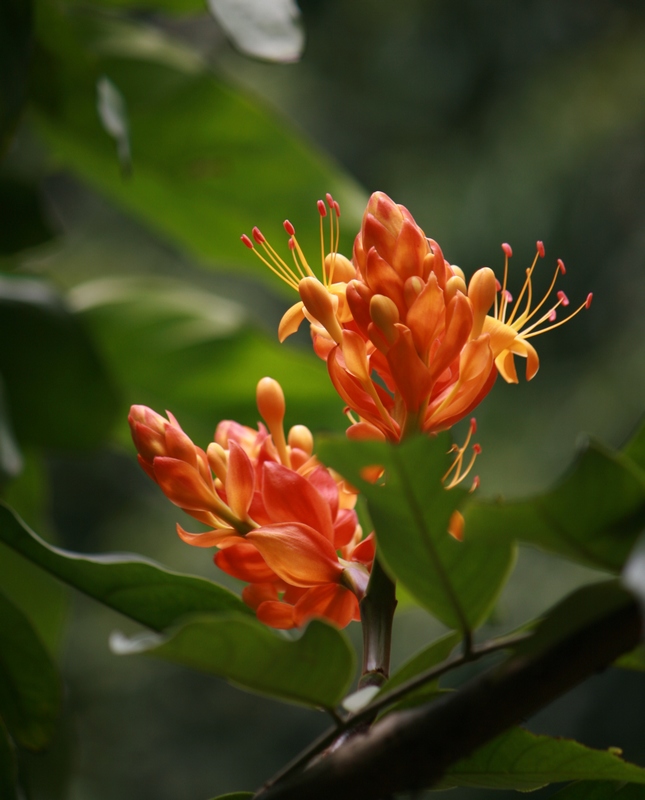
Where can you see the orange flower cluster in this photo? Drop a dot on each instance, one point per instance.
(282, 521)
(409, 345)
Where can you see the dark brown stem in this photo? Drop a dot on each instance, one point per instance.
(409, 750)
(377, 615)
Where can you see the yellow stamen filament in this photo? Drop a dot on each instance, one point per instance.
(457, 465)
(281, 269)
(527, 285)
(526, 316)
(556, 324)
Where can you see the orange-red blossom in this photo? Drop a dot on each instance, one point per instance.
(410, 345)
(282, 521)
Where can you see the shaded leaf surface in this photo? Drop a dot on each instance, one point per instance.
(315, 669)
(593, 516)
(150, 329)
(610, 790)
(410, 513)
(15, 41)
(235, 796)
(524, 761)
(58, 391)
(191, 137)
(30, 689)
(132, 585)
(8, 767)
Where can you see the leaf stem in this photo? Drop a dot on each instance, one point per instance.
(377, 614)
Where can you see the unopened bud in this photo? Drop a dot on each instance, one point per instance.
(319, 304)
(338, 268)
(301, 437)
(385, 315)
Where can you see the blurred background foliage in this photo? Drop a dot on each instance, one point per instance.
(138, 144)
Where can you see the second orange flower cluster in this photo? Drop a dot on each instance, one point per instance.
(282, 521)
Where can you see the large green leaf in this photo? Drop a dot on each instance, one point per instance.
(15, 46)
(8, 767)
(208, 163)
(130, 584)
(458, 582)
(611, 790)
(188, 350)
(30, 689)
(58, 392)
(593, 516)
(315, 669)
(521, 760)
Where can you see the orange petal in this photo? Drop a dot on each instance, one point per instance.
(215, 538)
(331, 602)
(240, 481)
(289, 497)
(410, 250)
(276, 614)
(257, 593)
(345, 527)
(244, 562)
(291, 321)
(183, 485)
(427, 315)
(297, 553)
(179, 445)
(413, 379)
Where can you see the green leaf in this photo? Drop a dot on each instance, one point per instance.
(315, 669)
(23, 221)
(59, 394)
(15, 47)
(427, 658)
(458, 582)
(192, 137)
(130, 584)
(634, 660)
(11, 462)
(592, 516)
(30, 689)
(151, 329)
(524, 761)
(635, 447)
(588, 790)
(8, 766)
(576, 611)
(236, 796)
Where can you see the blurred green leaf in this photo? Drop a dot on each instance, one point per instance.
(316, 669)
(634, 573)
(185, 349)
(458, 582)
(192, 137)
(15, 46)
(8, 767)
(524, 761)
(30, 688)
(59, 394)
(576, 611)
(634, 660)
(587, 790)
(268, 29)
(427, 658)
(593, 515)
(114, 118)
(130, 584)
(23, 221)
(635, 447)
(10, 456)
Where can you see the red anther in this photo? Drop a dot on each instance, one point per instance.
(473, 425)
(330, 200)
(292, 244)
(540, 249)
(321, 208)
(257, 235)
(477, 448)
(589, 299)
(498, 285)
(563, 298)
(561, 266)
(245, 239)
(552, 315)
(475, 483)
(336, 208)
(508, 296)
(508, 252)
(289, 228)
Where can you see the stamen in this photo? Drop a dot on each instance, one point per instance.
(563, 298)
(561, 266)
(257, 235)
(586, 304)
(540, 249)
(289, 228)
(245, 239)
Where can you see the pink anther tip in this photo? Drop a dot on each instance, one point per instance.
(336, 208)
(540, 249)
(473, 425)
(475, 483)
(289, 228)
(292, 244)
(561, 266)
(508, 250)
(563, 298)
(508, 296)
(245, 240)
(589, 299)
(257, 235)
(498, 285)
(330, 200)
(477, 448)
(553, 315)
